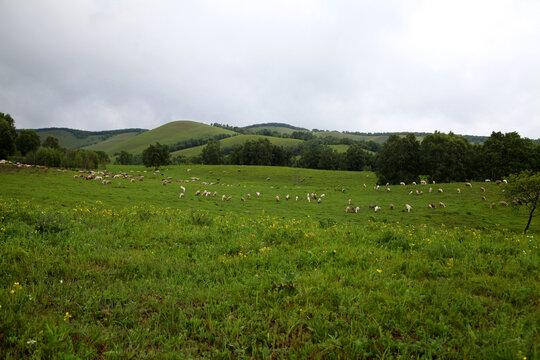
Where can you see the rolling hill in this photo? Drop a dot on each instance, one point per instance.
(74, 139)
(170, 134)
(278, 127)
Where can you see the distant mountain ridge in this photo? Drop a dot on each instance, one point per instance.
(189, 137)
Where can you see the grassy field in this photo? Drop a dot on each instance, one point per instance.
(134, 271)
(229, 143)
(170, 133)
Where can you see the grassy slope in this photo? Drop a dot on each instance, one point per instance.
(134, 271)
(68, 140)
(170, 133)
(111, 142)
(280, 129)
(375, 138)
(238, 140)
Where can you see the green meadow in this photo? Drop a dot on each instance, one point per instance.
(132, 270)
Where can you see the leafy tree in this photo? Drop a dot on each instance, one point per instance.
(49, 157)
(355, 158)
(8, 135)
(506, 154)
(211, 153)
(156, 155)
(103, 157)
(446, 158)
(27, 141)
(51, 142)
(125, 158)
(398, 160)
(524, 189)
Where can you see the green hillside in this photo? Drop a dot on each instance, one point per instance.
(170, 134)
(74, 139)
(229, 143)
(278, 127)
(112, 141)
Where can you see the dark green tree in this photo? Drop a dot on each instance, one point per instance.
(8, 136)
(211, 153)
(446, 158)
(355, 158)
(524, 190)
(27, 141)
(51, 142)
(125, 158)
(49, 157)
(505, 154)
(398, 160)
(156, 155)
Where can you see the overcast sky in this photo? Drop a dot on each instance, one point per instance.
(471, 67)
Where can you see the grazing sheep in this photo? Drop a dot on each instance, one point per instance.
(505, 181)
(343, 190)
(99, 178)
(484, 198)
(417, 192)
(430, 189)
(296, 197)
(229, 198)
(267, 179)
(347, 209)
(431, 206)
(132, 180)
(372, 206)
(277, 198)
(388, 189)
(119, 184)
(223, 197)
(258, 194)
(440, 190)
(387, 184)
(319, 200)
(182, 188)
(365, 185)
(377, 208)
(414, 182)
(492, 205)
(308, 198)
(422, 182)
(458, 190)
(487, 180)
(433, 182)
(181, 195)
(287, 197)
(402, 183)
(441, 204)
(215, 193)
(503, 203)
(249, 196)
(322, 196)
(243, 200)
(350, 201)
(198, 192)
(408, 207)
(391, 206)
(468, 184)
(482, 188)
(357, 209)
(498, 182)
(411, 192)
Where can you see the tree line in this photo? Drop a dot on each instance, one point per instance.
(448, 157)
(26, 146)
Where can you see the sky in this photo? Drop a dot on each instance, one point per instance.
(471, 67)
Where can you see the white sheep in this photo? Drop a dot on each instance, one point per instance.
(377, 208)
(388, 189)
(458, 190)
(482, 188)
(391, 206)
(182, 188)
(347, 209)
(408, 207)
(181, 195)
(198, 192)
(468, 184)
(287, 197)
(258, 194)
(223, 197)
(357, 209)
(430, 189)
(440, 190)
(277, 198)
(441, 204)
(296, 197)
(503, 203)
(319, 200)
(350, 201)
(402, 183)
(492, 205)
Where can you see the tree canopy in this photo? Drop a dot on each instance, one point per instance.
(399, 160)
(8, 135)
(156, 155)
(524, 190)
(27, 141)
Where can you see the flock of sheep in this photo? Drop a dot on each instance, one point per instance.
(106, 178)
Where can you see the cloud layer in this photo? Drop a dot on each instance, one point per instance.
(465, 66)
